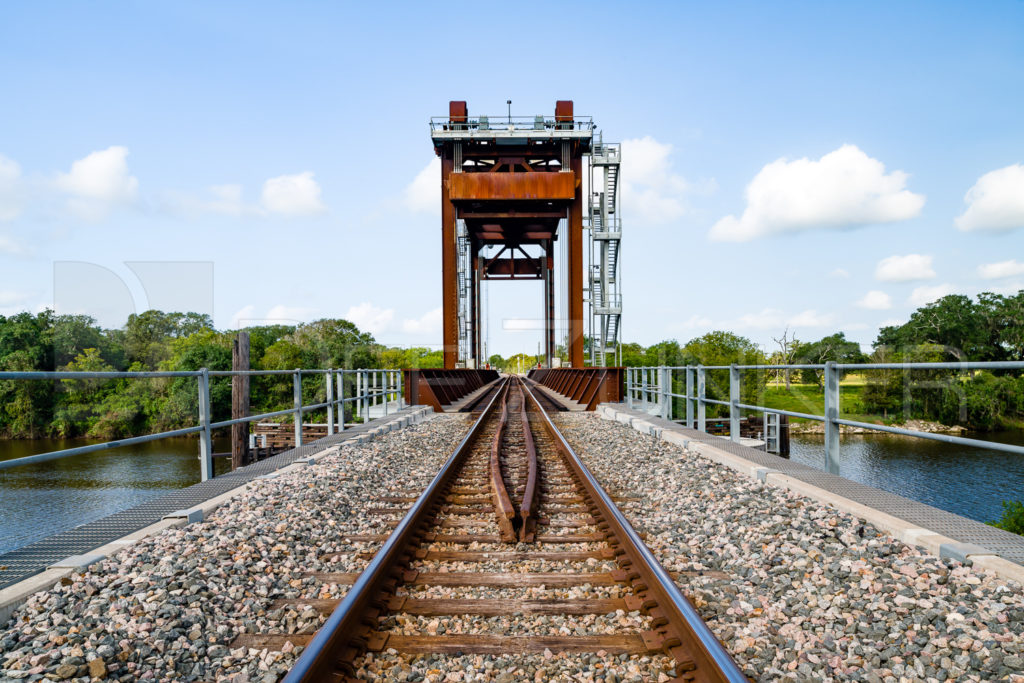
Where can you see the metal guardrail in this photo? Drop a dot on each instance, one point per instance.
(369, 392)
(652, 386)
(516, 123)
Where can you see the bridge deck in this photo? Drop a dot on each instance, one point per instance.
(34, 558)
(961, 529)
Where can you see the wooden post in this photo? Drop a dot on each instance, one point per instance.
(240, 401)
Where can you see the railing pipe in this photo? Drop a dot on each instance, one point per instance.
(831, 418)
(689, 397)
(297, 395)
(206, 433)
(702, 411)
(329, 389)
(666, 385)
(734, 401)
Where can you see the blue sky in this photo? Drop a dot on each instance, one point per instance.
(279, 144)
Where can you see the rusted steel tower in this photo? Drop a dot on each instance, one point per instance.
(507, 184)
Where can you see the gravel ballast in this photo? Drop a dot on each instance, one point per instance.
(169, 606)
(811, 593)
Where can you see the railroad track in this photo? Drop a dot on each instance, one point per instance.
(513, 495)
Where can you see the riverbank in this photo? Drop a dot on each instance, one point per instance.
(927, 426)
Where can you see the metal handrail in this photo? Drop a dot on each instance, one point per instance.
(653, 385)
(366, 396)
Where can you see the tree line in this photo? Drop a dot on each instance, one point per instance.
(957, 328)
(156, 340)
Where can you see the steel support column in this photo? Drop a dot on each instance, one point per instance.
(574, 250)
(449, 271)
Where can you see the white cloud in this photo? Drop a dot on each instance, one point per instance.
(10, 189)
(875, 300)
(423, 194)
(840, 273)
(928, 293)
(650, 191)
(844, 189)
(10, 247)
(995, 202)
(370, 318)
(1002, 269)
(891, 322)
(291, 195)
(99, 182)
(427, 324)
(773, 318)
(905, 268)
(288, 315)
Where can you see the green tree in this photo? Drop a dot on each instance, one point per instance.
(835, 347)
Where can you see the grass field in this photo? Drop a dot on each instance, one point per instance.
(808, 398)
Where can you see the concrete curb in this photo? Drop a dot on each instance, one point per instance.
(15, 595)
(912, 534)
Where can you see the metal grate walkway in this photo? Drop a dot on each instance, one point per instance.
(1003, 543)
(22, 563)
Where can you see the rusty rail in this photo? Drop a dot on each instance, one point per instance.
(503, 508)
(344, 630)
(527, 511)
(680, 631)
(352, 627)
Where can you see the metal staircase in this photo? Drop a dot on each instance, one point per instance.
(605, 228)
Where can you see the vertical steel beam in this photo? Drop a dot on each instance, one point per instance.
(297, 395)
(329, 387)
(449, 270)
(831, 415)
(734, 399)
(574, 264)
(205, 436)
(702, 409)
(629, 388)
(689, 397)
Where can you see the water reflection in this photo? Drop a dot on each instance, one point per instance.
(971, 482)
(37, 501)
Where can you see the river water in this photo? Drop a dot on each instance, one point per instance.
(971, 482)
(39, 500)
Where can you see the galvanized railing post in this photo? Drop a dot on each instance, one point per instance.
(297, 393)
(366, 395)
(831, 415)
(689, 397)
(629, 388)
(205, 436)
(358, 393)
(401, 388)
(329, 386)
(734, 399)
(666, 389)
(643, 388)
(341, 400)
(387, 390)
(702, 409)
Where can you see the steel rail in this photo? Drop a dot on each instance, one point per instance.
(710, 657)
(342, 630)
(503, 509)
(527, 531)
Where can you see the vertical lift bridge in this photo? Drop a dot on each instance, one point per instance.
(510, 187)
